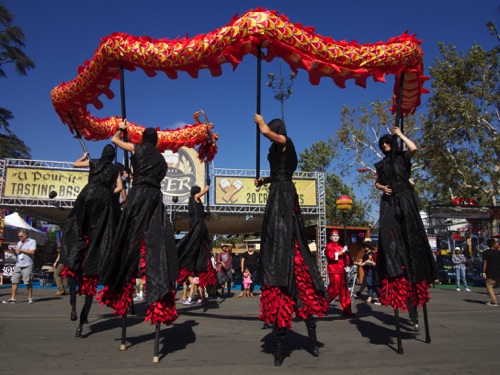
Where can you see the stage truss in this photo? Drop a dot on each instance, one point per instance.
(55, 211)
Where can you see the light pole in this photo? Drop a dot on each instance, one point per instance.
(344, 203)
(282, 88)
(493, 31)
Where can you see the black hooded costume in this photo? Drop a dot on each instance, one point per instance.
(88, 231)
(288, 272)
(143, 221)
(405, 263)
(194, 248)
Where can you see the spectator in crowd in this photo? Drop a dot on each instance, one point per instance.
(25, 253)
(491, 269)
(250, 260)
(225, 268)
(459, 262)
(367, 247)
(62, 283)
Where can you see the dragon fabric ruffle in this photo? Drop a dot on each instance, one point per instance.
(400, 293)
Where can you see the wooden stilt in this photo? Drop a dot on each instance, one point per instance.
(398, 332)
(123, 344)
(426, 323)
(156, 358)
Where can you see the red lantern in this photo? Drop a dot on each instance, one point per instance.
(344, 203)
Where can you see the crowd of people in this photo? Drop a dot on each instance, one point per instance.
(130, 247)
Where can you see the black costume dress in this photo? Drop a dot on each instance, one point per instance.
(405, 263)
(290, 279)
(194, 249)
(143, 221)
(88, 231)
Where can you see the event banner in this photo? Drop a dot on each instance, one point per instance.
(242, 191)
(37, 183)
(184, 171)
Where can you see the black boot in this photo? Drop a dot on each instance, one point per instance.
(311, 331)
(280, 340)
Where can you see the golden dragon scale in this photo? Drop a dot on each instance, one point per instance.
(298, 45)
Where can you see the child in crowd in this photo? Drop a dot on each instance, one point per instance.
(247, 280)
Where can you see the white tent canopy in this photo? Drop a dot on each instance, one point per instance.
(16, 221)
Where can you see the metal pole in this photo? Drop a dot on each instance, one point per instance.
(123, 343)
(259, 78)
(156, 358)
(394, 144)
(124, 111)
(77, 133)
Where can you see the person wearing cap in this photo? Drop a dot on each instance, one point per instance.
(288, 273)
(459, 262)
(338, 259)
(224, 263)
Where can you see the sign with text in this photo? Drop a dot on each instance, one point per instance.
(461, 213)
(39, 182)
(242, 191)
(184, 170)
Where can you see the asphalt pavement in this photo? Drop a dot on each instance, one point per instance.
(39, 338)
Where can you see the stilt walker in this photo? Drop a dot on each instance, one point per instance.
(144, 219)
(290, 279)
(405, 264)
(89, 229)
(194, 249)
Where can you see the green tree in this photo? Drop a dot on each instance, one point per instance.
(11, 43)
(319, 158)
(461, 143)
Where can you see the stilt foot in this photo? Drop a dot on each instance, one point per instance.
(123, 347)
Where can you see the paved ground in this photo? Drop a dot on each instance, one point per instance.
(39, 338)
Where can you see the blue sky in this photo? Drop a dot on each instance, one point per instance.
(61, 35)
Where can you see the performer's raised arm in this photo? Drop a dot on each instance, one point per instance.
(127, 146)
(411, 146)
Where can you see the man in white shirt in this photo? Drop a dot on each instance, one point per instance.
(25, 252)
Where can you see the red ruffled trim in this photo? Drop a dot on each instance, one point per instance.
(88, 285)
(277, 306)
(314, 302)
(163, 310)
(184, 273)
(142, 261)
(207, 277)
(398, 292)
(119, 301)
(67, 273)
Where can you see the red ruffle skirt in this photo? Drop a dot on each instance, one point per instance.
(277, 306)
